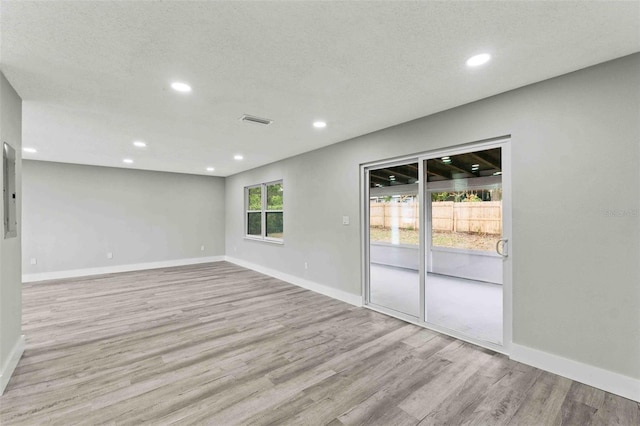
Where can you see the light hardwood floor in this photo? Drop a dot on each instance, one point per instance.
(219, 344)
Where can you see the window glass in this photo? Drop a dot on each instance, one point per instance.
(275, 228)
(274, 196)
(466, 200)
(254, 224)
(255, 198)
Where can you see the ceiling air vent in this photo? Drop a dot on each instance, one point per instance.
(256, 120)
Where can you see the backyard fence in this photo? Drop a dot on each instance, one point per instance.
(478, 217)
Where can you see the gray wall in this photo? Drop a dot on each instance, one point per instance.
(74, 215)
(575, 156)
(10, 273)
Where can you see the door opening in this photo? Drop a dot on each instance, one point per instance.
(436, 241)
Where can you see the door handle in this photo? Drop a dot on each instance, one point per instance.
(505, 247)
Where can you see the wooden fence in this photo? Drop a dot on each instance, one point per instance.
(480, 217)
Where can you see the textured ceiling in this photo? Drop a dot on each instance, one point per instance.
(94, 76)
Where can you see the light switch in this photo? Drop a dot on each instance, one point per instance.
(345, 220)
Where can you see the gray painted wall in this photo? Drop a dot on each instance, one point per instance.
(74, 215)
(575, 155)
(10, 273)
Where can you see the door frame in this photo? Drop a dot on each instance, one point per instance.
(503, 142)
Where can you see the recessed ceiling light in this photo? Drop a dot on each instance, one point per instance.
(139, 144)
(238, 157)
(128, 161)
(319, 124)
(497, 173)
(475, 165)
(30, 150)
(210, 169)
(180, 87)
(480, 59)
(445, 158)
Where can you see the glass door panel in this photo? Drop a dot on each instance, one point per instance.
(394, 238)
(463, 284)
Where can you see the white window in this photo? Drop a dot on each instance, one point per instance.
(264, 211)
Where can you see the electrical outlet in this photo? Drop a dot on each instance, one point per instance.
(109, 255)
(345, 220)
(201, 248)
(34, 261)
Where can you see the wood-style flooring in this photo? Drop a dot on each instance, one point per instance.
(222, 345)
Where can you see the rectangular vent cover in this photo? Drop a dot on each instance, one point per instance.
(256, 120)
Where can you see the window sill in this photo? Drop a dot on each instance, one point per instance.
(264, 240)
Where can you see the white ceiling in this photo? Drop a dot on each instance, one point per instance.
(94, 76)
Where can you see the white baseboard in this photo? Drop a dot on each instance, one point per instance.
(11, 363)
(26, 278)
(344, 296)
(606, 380)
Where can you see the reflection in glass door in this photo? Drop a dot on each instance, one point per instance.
(394, 238)
(465, 249)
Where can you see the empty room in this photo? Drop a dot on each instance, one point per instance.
(320, 212)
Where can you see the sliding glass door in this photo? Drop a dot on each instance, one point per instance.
(464, 243)
(394, 238)
(436, 249)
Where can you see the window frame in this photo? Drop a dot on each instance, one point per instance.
(263, 212)
(247, 211)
